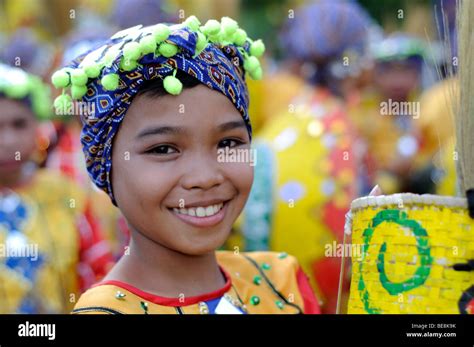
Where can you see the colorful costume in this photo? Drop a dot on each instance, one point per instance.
(305, 181)
(397, 150)
(52, 213)
(308, 154)
(259, 282)
(51, 247)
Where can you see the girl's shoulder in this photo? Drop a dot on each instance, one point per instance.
(257, 282)
(272, 279)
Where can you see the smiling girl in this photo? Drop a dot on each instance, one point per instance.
(168, 98)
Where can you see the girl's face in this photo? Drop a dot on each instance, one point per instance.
(166, 176)
(18, 132)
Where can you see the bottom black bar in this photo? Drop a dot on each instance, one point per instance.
(379, 330)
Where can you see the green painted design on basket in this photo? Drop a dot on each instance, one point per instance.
(423, 248)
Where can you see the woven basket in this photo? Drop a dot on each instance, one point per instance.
(407, 246)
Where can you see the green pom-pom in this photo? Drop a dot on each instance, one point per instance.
(257, 48)
(110, 81)
(62, 104)
(257, 73)
(147, 44)
(17, 91)
(131, 51)
(192, 23)
(111, 56)
(168, 50)
(215, 38)
(211, 28)
(251, 64)
(128, 65)
(60, 79)
(161, 33)
(201, 42)
(172, 85)
(229, 26)
(78, 77)
(225, 38)
(92, 70)
(77, 92)
(240, 37)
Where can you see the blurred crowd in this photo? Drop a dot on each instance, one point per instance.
(354, 94)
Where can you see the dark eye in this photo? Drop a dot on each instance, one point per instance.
(20, 124)
(162, 150)
(230, 143)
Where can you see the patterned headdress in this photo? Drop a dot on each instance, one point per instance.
(217, 54)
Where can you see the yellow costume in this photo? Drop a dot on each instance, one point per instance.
(50, 244)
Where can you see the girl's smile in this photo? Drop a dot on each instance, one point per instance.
(202, 214)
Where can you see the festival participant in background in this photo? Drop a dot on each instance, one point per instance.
(168, 100)
(51, 245)
(306, 174)
(388, 117)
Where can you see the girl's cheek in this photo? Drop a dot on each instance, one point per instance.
(242, 177)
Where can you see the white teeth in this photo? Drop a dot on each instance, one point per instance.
(200, 211)
(209, 210)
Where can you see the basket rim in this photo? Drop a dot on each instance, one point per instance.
(408, 199)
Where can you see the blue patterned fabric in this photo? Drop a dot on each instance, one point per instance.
(219, 68)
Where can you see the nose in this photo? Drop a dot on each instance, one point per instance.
(202, 172)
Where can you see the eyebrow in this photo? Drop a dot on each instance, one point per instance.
(170, 130)
(232, 125)
(161, 130)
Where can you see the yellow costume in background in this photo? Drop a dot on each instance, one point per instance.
(51, 246)
(437, 125)
(304, 182)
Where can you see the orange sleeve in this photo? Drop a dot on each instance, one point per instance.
(311, 305)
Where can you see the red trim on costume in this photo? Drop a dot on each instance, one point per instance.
(175, 302)
(311, 305)
(95, 258)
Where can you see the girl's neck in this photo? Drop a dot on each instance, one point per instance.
(153, 268)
